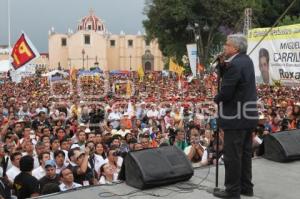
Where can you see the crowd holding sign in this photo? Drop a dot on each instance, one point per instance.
(277, 57)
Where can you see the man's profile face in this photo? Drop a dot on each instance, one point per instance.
(264, 69)
(229, 49)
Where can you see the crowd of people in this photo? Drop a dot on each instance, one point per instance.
(60, 135)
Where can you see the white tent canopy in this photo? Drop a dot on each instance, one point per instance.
(49, 74)
(4, 66)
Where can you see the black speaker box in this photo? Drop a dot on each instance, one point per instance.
(282, 146)
(158, 166)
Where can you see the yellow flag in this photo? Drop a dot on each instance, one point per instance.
(141, 72)
(73, 73)
(175, 67)
(128, 89)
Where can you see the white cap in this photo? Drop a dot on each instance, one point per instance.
(75, 146)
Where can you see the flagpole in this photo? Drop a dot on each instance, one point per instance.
(9, 34)
(8, 19)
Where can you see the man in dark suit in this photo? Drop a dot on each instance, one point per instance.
(238, 117)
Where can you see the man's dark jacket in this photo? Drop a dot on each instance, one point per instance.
(237, 96)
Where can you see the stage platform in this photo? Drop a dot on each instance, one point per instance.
(271, 181)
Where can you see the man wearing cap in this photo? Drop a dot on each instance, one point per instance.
(79, 166)
(51, 176)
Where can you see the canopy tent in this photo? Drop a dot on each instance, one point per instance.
(56, 72)
(119, 72)
(88, 72)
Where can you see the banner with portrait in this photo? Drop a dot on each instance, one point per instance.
(277, 57)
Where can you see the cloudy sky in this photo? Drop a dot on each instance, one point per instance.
(36, 17)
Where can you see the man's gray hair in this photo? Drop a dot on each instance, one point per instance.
(239, 41)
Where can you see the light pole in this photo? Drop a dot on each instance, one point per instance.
(87, 61)
(83, 52)
(96, 64)
(130, 65)
(195, 28)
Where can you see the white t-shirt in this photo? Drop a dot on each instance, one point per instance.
(64, 187)
(99, 161)
(39, 172)
(12, 173)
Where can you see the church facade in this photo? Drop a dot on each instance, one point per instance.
(93, 45)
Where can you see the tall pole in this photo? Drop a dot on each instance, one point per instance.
(83, 52)
(8, 20)
(130, 65)
(197, 55)
(87, 61)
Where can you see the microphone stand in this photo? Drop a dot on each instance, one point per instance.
(218, 129)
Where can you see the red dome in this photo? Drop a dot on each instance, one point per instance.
(91, 22)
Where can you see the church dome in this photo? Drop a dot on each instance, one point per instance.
(91, 22)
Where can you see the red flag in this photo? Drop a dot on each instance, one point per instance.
(23, 52)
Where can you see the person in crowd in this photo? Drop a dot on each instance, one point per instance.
(25, 185)
(59, 158)
(15, 169)
(51, 176)
(40, 171)
(67, 180)
(180, 141)
(79, 165)
(107, 174)
(195, 151)
(99, 157)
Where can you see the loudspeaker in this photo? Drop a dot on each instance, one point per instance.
(282, 146)
(158, 166)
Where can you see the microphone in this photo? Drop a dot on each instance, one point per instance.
(218, 59)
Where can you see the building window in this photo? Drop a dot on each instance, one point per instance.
(112, 43)
(87, 39)
(130, 43)
(99, 27)
(89, 27)
(63, 41)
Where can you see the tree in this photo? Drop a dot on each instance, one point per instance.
(289, 20)
(167, 21)
(271, 10)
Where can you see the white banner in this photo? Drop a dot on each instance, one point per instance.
(192, 54)
(277, 57)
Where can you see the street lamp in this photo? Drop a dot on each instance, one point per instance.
(130, 63)
(196, 32)
(130, 66)
(96, 64)
(83, 52)
(87, 61)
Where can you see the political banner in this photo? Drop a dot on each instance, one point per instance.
(277, 57)
(23, 52)
(192, 54)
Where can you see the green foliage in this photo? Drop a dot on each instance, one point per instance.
(271, 10)
(167, 21)
(289, 20)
